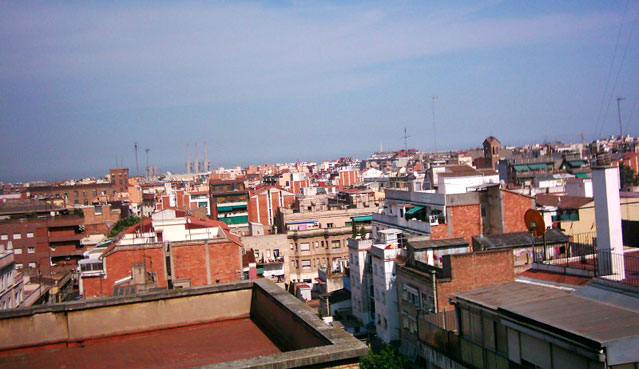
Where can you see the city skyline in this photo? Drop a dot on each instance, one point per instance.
(264, 83)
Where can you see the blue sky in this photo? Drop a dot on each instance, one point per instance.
(263, 82)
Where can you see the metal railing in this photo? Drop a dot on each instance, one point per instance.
(582, 253)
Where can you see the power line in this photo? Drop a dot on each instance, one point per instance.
(623, 59)
(612, 63)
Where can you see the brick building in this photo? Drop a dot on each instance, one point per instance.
(229, 203)
(84, 193)
(168, 250)
(347, 178)
(44, 245)
(264, 203)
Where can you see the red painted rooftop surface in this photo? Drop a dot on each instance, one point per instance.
(556, 277)
(174, 348)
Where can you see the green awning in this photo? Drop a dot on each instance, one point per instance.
(235, 220)
(576, 163)
(521, 168)
(231, 207)
(363, 218)
(538, 166)
(581, 175)
(260, 269)
(414, 210)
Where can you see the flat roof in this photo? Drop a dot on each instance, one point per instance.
(173, 348)
(430, 244)
(597, 321)
(519, 239)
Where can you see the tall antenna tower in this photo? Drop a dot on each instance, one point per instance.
(137, 167)
(434, 126)
(147, 162)
(406, 136)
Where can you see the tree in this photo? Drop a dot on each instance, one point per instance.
(362, 232)
(123, 224)
(387, 358)
(627, 176)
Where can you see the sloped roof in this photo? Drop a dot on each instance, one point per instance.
(562, 202)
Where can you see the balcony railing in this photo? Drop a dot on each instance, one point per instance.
(399, 222)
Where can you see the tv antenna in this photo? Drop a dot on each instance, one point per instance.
(137, 167)
(147, 161)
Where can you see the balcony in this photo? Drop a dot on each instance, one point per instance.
(413, 226)
(419, 198)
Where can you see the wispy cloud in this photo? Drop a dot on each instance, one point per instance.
(148, 54)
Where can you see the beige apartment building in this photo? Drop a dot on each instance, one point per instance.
(318, 239)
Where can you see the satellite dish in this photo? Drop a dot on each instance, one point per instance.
(535, 222)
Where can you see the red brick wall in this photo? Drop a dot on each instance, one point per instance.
(515, 206)
(465, 222)
(475, 270)
(119, 265)
(189, 261)
(226, 262)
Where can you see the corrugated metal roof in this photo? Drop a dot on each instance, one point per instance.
(598, 321)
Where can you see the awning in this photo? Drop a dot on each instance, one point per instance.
(576, 163)
(234, 220)
(304, 221)
(413, 210)
(521, 168)
(581, 175)
(363, 218)
(538, 166)
(231, 207)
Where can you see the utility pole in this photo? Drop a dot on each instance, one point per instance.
(137, 167)
(147, 161)
(619, 113)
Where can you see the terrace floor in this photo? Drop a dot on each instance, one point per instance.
(171, 348)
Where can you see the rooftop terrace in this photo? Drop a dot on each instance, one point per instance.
(234, 325)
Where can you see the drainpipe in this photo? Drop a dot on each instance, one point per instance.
(434, 278)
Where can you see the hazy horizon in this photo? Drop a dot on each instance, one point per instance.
(266, 82)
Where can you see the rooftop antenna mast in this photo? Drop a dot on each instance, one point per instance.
(147, 161)
(434, 126)
(137, 167)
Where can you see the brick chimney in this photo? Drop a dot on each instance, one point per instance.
(605, 182)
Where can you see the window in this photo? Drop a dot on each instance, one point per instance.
(322, 244)
(291, 246)
(306, 264)
(31, 250)
(17, 251)
(32, 265)
(17, 236)
(18, 265)
(329, 225)
(95, 192)
(276, 253)
(4, 237)
(335, 244)
(52, 248)
(75, 193)
(257, 253)
(305, 246)
(411, 294)
(98, 210)
(29, 234)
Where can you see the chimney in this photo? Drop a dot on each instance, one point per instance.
(252, 271)
(605, 182)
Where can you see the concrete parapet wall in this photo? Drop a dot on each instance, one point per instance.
(75, 322)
